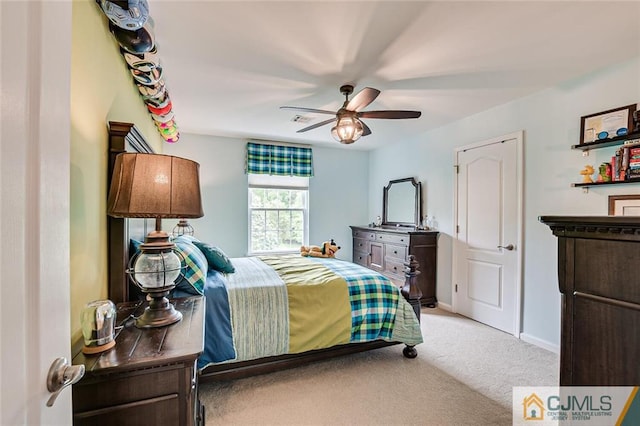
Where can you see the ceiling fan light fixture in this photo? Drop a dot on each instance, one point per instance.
(347, 130)
(348, 127)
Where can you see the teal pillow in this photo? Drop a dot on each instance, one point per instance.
(217, 259)
(134, 246)
(195, 273)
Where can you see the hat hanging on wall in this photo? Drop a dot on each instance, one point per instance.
(136, 41)
(132, 27)
(133, 17)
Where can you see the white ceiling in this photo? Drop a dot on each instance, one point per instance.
(230, 65)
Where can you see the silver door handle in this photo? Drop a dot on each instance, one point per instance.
(508, 247)
(62, 374)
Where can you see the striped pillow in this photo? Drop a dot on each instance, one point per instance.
(195, 273)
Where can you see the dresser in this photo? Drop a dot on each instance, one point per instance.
(598, 260)
(386, 249)
(149, 377)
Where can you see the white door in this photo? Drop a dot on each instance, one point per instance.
(34, 207)
(488, 247)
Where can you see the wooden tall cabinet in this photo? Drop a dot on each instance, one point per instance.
(386, 249)
(598, 275)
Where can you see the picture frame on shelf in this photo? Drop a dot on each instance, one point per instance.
(607, 124)
(624, 205)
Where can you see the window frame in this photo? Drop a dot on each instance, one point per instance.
(250, 210)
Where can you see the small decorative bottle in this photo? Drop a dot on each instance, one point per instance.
(432, 223)
(378, 221)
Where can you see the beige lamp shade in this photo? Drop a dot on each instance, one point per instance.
(154, 186)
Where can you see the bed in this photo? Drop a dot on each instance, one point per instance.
(274, 312)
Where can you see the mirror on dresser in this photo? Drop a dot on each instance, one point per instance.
(401, 203)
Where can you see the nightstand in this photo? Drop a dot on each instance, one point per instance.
(149, 377)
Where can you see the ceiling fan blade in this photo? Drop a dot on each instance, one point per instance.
(319, 111)
(394, 114)
(362, 99)
(315, 126)
(365, 129)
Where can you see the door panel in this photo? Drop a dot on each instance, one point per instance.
(484, 283)
(377, 255)
(484, 187)
(488, 219)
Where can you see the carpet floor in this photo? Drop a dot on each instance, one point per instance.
(463, 375)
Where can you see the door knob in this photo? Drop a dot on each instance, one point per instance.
(508, 247)
(62, 374)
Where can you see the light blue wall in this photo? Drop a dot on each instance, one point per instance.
(551, 123)
(338, 196)
(338, 192)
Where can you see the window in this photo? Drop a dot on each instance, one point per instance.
(278, 179)
(278, 216)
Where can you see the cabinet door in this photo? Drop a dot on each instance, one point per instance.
(377, 256)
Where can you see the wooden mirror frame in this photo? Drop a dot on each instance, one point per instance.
(417, 203)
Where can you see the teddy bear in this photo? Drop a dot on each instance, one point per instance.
(328, 249)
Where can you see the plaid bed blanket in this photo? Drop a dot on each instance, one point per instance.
(373, 299)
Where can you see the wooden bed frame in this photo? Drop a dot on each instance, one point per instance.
(124, 137)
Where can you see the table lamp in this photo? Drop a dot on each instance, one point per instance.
(183, 227)
(155, 186)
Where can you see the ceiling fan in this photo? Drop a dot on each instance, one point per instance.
(349, 127)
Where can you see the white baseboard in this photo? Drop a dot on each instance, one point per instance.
(539, 342)
(445, 306)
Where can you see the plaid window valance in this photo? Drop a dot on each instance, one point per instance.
(279, 160)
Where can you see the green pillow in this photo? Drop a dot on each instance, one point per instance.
(196, 266)
(217, 259)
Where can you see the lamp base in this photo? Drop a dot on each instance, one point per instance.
(159, 313)
(90, 350)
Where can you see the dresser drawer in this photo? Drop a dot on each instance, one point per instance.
(360, 244)
(123, 388)
(366, 235)
(393, 239)
(392, 266)
(154, 411)
(361, 258)
(395, 253)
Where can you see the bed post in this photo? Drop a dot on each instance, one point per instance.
(412, 293)
(410, 290)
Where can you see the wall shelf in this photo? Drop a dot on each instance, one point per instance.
(615, 141)
(616, 182)
(618, 140)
